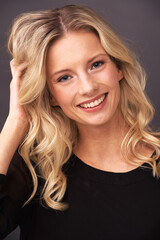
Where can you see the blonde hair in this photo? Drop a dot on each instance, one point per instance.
(52, 135)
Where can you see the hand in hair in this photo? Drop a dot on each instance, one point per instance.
(17, 111)
(16, 125)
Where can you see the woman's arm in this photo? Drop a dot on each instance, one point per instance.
(14, 186)
(16, 125)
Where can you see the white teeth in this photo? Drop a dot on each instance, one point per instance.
(93, 104)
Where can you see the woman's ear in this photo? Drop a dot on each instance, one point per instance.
(120, 74)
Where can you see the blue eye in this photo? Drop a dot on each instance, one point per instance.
(97, 64)
(64, 78)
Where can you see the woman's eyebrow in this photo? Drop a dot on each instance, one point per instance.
(89, 61)
(98, 55)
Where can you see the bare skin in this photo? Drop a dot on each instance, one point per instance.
(16, 124)
(101, 147)
(104, 151)
(72, 81)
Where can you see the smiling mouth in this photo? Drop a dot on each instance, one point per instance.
(94, 103)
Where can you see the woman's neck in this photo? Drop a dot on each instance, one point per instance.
(100, 146)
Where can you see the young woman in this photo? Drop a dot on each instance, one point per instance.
(87, 164)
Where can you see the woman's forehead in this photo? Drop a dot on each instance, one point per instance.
(74, 47)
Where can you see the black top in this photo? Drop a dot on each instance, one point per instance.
(102, 205)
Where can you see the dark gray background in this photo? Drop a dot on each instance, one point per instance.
(138, 21)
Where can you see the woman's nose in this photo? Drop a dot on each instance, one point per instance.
(87, 85)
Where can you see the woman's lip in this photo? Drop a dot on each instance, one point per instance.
(96, 108)
(92, 100)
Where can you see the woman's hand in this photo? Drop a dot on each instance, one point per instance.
(16, 111)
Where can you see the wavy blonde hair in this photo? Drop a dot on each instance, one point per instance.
(52, 135)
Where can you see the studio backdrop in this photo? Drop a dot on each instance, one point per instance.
(136, 21)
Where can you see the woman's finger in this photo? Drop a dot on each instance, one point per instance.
(17, 70)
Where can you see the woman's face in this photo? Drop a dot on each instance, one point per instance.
(82, 79)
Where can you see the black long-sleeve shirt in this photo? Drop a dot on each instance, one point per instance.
(102, 205)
